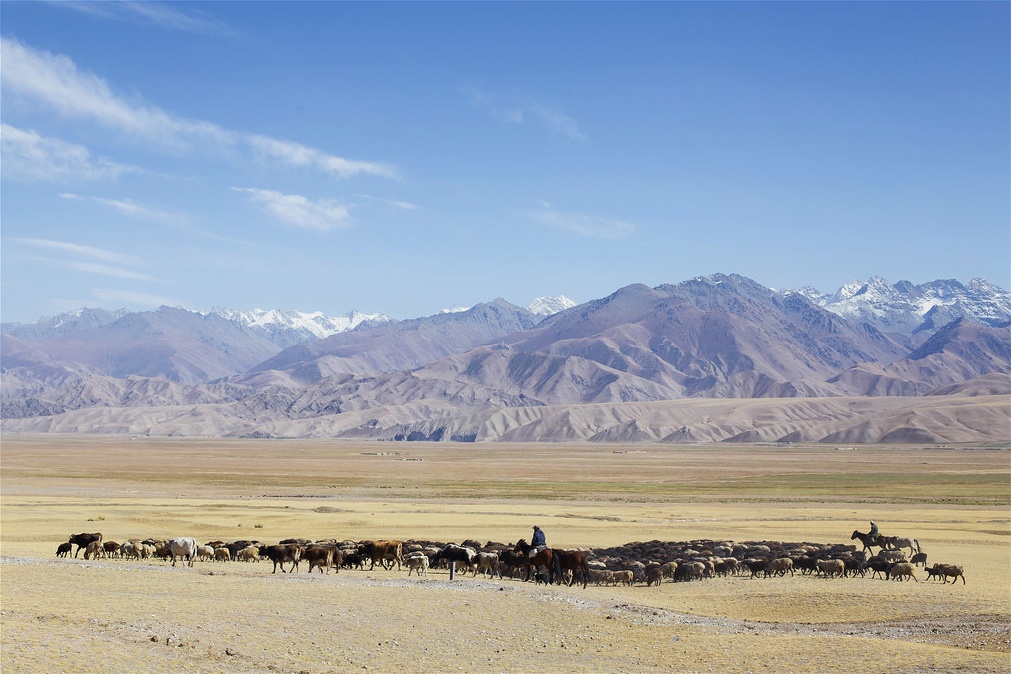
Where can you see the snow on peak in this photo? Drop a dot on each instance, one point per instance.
(906, 305)
(548, 305)
(314, 324)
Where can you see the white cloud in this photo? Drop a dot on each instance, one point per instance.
(519, 108)
(300, 155)
(151, 13)
(78, 249)
(55, 81)
(295, 209)
(585, 225)
(133, 209)
(30, 156)
(403, 205)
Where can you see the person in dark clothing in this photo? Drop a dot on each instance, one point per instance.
(538, 542)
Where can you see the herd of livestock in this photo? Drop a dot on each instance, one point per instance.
(648, 563)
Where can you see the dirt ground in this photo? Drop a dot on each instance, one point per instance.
(114, 615)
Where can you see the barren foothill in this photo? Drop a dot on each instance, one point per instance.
(117, 615)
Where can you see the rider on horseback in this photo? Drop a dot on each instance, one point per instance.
(537, 542)
(874, 532)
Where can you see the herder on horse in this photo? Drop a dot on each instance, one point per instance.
(538, 542)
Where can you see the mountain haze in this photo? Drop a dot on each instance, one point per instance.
(637, 365)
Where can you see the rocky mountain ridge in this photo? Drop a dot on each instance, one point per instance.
(498, 371)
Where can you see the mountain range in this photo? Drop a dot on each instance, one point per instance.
(715, 358)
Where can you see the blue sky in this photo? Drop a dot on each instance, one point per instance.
(408, 157)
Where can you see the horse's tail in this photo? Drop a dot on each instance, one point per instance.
(556, 568)
(586, 572)
(917, 544)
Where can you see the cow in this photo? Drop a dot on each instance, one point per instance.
(279, 554)
(319, 556)
(382, 552)
(183, 546)
(487, 562)
(82, 540)
(463, 556)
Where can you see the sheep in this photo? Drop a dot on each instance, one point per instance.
(250, 553)
(130, 550)
(654, 576)
(205, 553)
(831, 567)
(94, 550)
(625, 577)
(64, 549)
(952, 571)
(779, 567)
(670, 568)
(417, 562)
(920, 558)
(222, 555)
(901, 570)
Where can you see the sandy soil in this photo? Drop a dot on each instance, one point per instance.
(115, 615)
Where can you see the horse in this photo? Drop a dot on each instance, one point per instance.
(868, 540)
(896, 543)
(571, 560)
(543, 558)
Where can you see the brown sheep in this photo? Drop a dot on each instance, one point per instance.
(901, 571)
(779, 567)
(947, 571)
(94, 550)
(831, 567)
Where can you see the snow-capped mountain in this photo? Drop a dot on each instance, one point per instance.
(547, 306)
(911, 309)
(541, 306)
(611, 369)
(286, 328)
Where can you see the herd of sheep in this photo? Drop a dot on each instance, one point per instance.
(649, 563)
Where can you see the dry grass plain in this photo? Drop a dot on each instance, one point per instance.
(59, 615)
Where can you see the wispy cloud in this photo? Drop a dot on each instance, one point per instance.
(585, 225)
(294, 209)
(109, 263)
(55, 81)
(519, 108)
(152, 13)
(133, 209)
(403, 205)
(29, 156)
(300, 155)
(78, 249)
